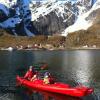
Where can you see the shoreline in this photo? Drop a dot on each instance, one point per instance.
(80, 48)
(57, 49)
(51, 43)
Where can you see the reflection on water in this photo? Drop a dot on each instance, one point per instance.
(72, 67)
(80, 66)
(47, 96)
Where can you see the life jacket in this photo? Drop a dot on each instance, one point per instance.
(49, 78)
(29, 74)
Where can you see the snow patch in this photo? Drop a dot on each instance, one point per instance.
(81, 22)
(46, 8)
(8, 3)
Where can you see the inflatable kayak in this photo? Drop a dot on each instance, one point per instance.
(59, 88)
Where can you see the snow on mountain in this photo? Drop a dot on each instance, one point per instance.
(51, 5)
(43, 9)
(28, 17)
(19, 14)
(23, 13)
(8, 8)
(8, 3)
(82, 22)
(52, 17)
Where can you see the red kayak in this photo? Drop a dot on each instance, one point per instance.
(57, 87)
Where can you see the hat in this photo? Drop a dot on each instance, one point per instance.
(46, 74)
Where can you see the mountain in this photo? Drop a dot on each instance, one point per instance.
(89, 37)
(84, 20)
(53, 17)
(25, 17)
(21, 17)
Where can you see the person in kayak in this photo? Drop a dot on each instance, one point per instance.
(35, 76)
(48, 79)
(30, 73)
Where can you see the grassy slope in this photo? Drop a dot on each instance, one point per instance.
(88, 37)
(7, 40)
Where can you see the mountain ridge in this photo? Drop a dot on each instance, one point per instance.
(47, 18)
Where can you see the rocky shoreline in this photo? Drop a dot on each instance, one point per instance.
(48, 48)
(33, 47)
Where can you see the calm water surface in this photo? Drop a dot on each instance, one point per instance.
(72, 67)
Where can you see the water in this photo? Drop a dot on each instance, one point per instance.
(72, 67)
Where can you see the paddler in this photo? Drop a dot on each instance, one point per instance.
(29, 74)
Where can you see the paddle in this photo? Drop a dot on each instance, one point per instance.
(40, 66)
(43, 67)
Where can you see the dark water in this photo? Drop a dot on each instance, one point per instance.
(72, 67)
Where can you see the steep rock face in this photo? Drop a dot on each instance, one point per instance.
(52, 24)
(3, 16)
(94, 15)
(53, 17)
